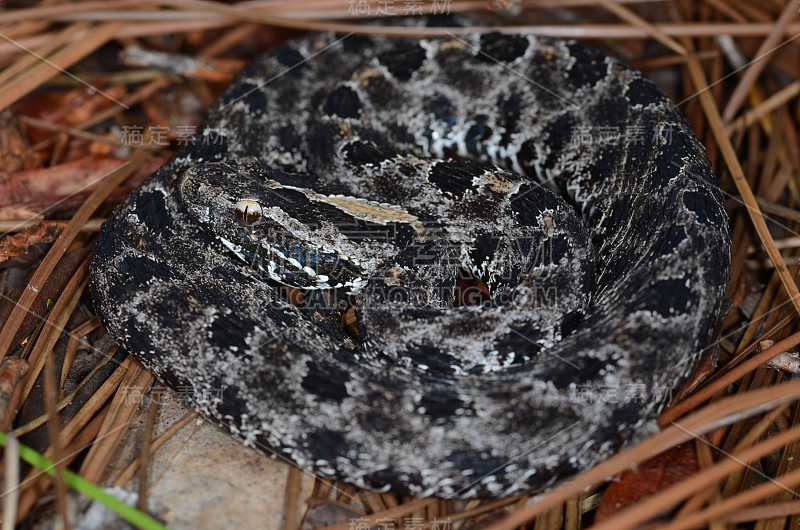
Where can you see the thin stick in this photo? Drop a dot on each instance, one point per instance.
(585, 31)
(77, 133)
(772, 103)
(11, 486)
(391, 513)
(639, 513)
(720, 509)
(53, 425)
(57, 62)
(37, 481)
(54, 325)
(737, 174)
(635, 20)
(37, 422)
(761, 513)
(29, 60)
(140, 94)
(732, 376)
(144, 458)
(707, 419)
(7, 227)
(121, 410)
(67, 236)
(75, 341)
(748, 440)
(130, 471)
(291, 504)
(95, 403)
(757, 65)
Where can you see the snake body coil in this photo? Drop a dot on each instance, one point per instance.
(368, 171)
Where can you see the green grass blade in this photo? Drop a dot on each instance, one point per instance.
(93, 491)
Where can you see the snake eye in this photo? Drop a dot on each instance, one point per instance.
(248, 211)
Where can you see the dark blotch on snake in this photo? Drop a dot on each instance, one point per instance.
(504, 48)
(404, 61)
(455, 177)
(589, 65)
(699, 205)
(325, 383)
(343, 102)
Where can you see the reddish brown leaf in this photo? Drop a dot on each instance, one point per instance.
(61, 180)
(25, 248)
(175, 113)
(15, 152)
(53, 204)
(67, 108)
(652, 476)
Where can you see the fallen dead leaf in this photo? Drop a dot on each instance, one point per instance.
(41, 188)
(652, 476)
(70, 107)
(15, 151)
(25, 248)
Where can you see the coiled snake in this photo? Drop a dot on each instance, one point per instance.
(366, 171)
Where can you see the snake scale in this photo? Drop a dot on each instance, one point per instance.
(370, 172)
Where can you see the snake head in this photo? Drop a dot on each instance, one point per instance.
(269, 220)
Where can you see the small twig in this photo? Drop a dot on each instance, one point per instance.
(72, 131)
(724, 411)
(144, 458)
(53, 426)
(390, 513)
(54, 325)
(57, 62)
(732, 376)
(292, 499)
(85, 414)
(638, 22)
(738, 177)
(760, 61)
(215, 70)
(121, 409)
(28, 60)
(762, 513)
(76, 340)
(70, 231)
(11, 485)
(130, 471)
